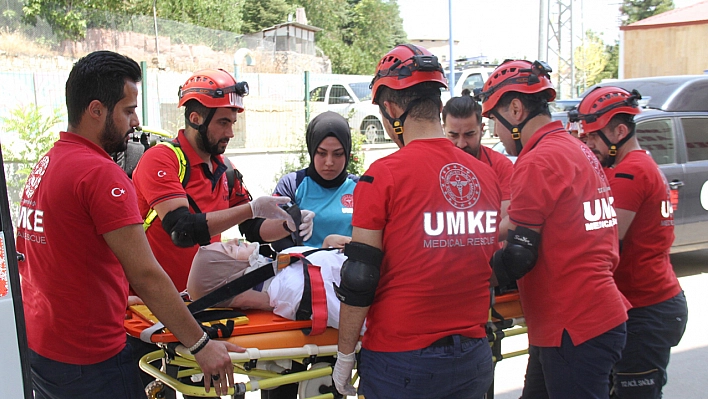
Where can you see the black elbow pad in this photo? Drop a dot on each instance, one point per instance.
(518, 257)
(186, 229)
(360, 275)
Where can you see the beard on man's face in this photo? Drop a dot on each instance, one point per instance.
(470, 151)
(603, 158)
(112, 140)
(210, 146)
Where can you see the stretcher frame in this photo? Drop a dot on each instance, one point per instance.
(177, 362)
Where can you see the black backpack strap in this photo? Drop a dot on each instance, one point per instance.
(299, 177)
(231, 176)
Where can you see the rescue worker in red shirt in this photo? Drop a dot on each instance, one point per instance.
(424, 227)
(462, 122)
(196, 214)
(645, 220)
(83, 240)
(562, 243)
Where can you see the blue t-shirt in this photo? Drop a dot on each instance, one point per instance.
(332, 206)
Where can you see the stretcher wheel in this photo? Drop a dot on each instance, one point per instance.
(310, 388)
(155, 390)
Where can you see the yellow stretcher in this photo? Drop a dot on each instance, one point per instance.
(273, 344)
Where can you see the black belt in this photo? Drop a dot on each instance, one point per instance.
(450, 340)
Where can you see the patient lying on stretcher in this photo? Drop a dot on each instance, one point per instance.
(219, 263)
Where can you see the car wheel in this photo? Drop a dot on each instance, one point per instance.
(372, 129)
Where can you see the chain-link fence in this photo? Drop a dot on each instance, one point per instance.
(275, 115)
(35, 63)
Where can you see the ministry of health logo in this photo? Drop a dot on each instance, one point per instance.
(459, 186)
(347, 200)
(595, 163)
(36, 176)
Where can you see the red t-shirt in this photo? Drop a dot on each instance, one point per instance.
(156, 180)
(502, 166)
(74, 290)
(439, 212)
(644, 275)
(558, 186)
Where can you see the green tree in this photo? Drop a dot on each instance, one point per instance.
(375, 28)
(590, 61)
(36, 134)
(261, 14)
(636, 10)
(67, 22)
(69, 19)
(611, 70)
(356, 32)
(221, 15)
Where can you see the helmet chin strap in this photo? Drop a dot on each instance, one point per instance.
(397, 123)
(613, 147)
(515, 130)
(202, 129)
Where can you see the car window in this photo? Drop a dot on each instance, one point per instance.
(657, 137)
(361, 90)
(695, 131)
(474, 81)
(339, 95)
(318, 94)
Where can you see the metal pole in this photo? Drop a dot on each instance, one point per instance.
(451, 76)
(144, 89)
(543, 30)
(307, 97)
(154, 18)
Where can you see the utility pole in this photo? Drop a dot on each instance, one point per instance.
(451, 74)
(559, 43)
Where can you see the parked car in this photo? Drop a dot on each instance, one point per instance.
(472, 79)
(564, 105)
(673, 128)
(499, 147)
(353, 101)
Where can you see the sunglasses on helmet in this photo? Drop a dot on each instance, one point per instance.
(422, 63)
(538, 69)
(240, 88)
(632, 101)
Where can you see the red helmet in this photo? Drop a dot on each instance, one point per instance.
(213, 88)
(598, 107)
(516, 75)
(404, 66)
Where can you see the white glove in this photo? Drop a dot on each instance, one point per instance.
(342, 374)
(307, 223)
(267, 207)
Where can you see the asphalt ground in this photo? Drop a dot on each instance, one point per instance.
(689, 360)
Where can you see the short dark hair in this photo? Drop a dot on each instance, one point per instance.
(195, 106)
(101, 76)
(428, 108)
(535, 102)
(462, 107)
(622, 119)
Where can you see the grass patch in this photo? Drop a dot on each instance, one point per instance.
(15, 43)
